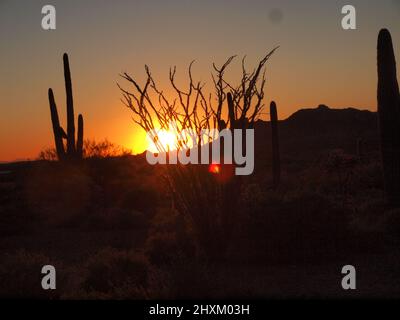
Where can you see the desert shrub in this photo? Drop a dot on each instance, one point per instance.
(340, 168)
(20, 276)
(340, 176)
(368, 176)
(130, 194)
(392, 224)
(369, 215)
(164, 248)
(48, 154)
(137, 197)
(116, 274)
(91, 149)
(14, 211)
(376, 224)
(98, 193)
(165, 220)
(103, 149)
(114, 219)
(63, 192)
(161, 248)
(122, 228)
(170, 238)
(58, 193)
(293, 228)
(121, 182)
(184, 278)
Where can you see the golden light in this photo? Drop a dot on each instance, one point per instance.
(171, 139)
(166, 138)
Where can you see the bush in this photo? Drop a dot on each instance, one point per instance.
(20, 276)
(91, 149)
(58, 193)
(115, 219)
(184, 278)
(169, 239)
(165, 248)
(116, 274)
(103, 149)
(293, 228)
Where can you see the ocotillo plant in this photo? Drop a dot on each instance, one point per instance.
(212, 208)
(231, 111)
(276, 162)
(389, 116)
(73, 151)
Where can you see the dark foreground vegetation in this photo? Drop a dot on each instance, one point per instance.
(110, 228)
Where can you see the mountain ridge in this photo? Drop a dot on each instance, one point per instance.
(311, 132)
(316, 129)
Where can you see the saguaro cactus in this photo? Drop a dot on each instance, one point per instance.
(389, 116)
(73, 151)
(276, 162)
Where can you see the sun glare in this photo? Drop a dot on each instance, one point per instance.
(167, 139)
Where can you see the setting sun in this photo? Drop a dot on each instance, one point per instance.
(166, 139)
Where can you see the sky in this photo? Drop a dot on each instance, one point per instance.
(317, 63)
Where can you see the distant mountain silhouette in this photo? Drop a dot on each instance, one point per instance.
(310, 133)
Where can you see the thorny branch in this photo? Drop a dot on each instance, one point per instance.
(193, 109)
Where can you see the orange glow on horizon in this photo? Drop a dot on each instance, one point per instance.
(166, 139)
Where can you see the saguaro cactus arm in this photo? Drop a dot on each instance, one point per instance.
(57, 130)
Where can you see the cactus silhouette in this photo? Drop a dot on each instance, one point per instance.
(276, 162)
(73, 151)
(389, 116)
(59, 133)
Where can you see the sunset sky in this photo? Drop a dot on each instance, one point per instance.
(318, 62)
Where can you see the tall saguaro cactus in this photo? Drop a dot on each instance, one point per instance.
(389, 116)
(70, 107)
(73, 151)
(276, 162)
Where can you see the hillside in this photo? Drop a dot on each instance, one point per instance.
(310, 133)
